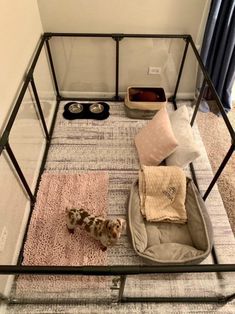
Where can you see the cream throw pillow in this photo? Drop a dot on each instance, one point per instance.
(156, 140)
(187, 151)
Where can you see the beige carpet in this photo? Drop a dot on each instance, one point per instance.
(217, 141)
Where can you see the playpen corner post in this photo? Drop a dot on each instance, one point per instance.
(202, 90)
(186, 39)
(117, 38)
(52, 67)
(39, 109)
(121, 288)
(19, 172)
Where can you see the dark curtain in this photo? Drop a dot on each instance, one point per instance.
(218, 49)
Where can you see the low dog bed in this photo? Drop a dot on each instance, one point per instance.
(172, 243)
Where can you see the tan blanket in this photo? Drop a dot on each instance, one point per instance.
(162, 191)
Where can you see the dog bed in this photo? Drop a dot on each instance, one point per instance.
(171, 243)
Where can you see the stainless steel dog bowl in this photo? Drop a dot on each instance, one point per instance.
(96, 108)
(75, 108)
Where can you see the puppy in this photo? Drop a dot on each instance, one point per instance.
(107, 231)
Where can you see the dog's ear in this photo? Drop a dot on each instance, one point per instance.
(106, 224)
(122, 223)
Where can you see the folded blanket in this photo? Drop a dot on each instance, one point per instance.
(162, 191)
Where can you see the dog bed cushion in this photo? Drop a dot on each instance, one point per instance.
(170, 243)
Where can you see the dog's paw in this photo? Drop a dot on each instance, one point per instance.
(70, 230)
(103, 248)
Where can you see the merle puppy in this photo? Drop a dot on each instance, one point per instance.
(107, 231)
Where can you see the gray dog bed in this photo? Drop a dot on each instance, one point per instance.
(172, 243)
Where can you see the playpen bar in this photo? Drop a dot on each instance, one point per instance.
(114, 270)
(75, 301)
(218, 299)
(19, 172)
(122, 287)
(198, 102)
(120, 35)
(52, 68)
(39, 109)
(180, 71)
(220, 169)
(90, 99)
(194, 177)
(117, 39)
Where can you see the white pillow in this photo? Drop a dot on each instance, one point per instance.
(187, 150)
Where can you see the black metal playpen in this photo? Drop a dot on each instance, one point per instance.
(122, 271)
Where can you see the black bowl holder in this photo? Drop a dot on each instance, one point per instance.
(86, 113)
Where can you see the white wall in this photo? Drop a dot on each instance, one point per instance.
(21, 29)
(87, 65)
(132, 16)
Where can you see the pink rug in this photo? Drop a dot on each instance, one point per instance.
(48, 240)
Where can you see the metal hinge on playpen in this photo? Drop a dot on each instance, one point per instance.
(118, 284)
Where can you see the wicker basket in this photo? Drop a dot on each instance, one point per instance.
(144, 102)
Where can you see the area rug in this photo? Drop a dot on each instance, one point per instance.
(48, 240)
(48, 237)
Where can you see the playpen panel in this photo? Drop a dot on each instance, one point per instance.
(140, 56)
(45, 87)
(14, 210)
(27, 139)
(84, 66)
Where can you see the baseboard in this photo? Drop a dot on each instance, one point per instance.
(76, 94)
